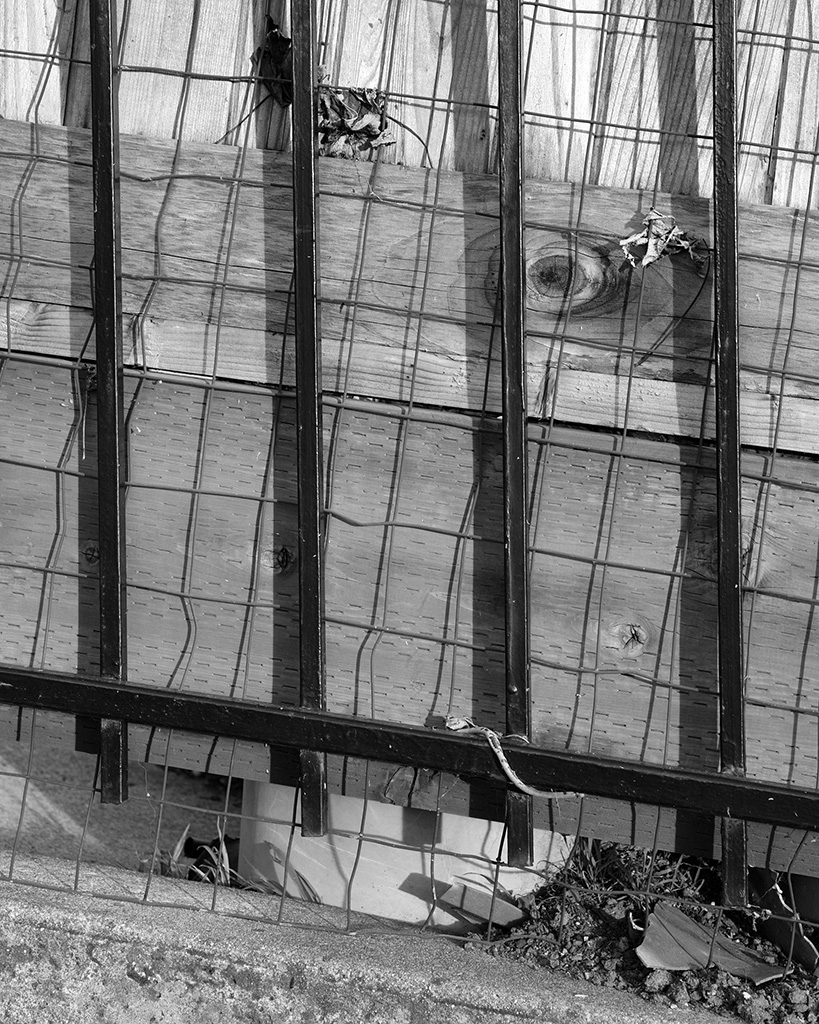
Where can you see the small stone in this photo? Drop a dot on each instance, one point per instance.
(754, 1011)
(677, 992)
(657, 980)
(798, 998)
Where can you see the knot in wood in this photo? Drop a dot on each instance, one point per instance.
(564, 275)
(627, 639)
(283, 559)
(633, 635)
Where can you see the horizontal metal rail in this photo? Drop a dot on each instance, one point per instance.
(719, 795)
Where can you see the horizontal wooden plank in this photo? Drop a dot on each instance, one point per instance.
(409, 268)
(768, 418)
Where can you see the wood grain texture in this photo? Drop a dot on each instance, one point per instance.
(762, 71)
(186, 67)
(653, 88)
(797, 140)
(75, 65)
(207, 38)
(29, 80)
(563, 51)
(441, 67)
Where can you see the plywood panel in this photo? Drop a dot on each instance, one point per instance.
(623, 555)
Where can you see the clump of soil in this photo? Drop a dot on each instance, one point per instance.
(588, 921)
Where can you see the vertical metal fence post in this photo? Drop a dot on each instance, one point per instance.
(729, 518)
(519, 810)
(308, 408)
(110, 417)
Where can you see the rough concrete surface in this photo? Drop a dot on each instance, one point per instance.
(71, 957)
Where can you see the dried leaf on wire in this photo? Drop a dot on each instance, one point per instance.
(273, 64)
(661, 237)
(351, 121)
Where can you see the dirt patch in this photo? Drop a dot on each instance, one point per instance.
(588, 921)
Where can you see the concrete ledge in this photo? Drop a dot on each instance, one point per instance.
(68, 958)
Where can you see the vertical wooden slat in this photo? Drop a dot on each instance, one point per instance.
(30, 86)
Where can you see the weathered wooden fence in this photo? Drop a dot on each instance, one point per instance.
(623, 631)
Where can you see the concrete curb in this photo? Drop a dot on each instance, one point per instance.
(69, 958)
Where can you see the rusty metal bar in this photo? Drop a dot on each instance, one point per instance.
(111, 452)
(308, 407)
(729, 516)
(519, 810)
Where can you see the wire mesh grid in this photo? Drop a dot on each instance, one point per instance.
(621, 460)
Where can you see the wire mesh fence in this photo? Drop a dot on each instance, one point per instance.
(619, 435)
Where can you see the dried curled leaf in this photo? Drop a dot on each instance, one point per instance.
(661, 237)
(350, 121)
